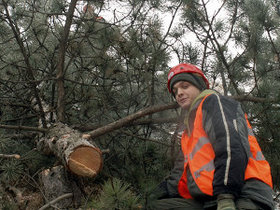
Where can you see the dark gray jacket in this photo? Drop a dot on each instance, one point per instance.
(226, 127)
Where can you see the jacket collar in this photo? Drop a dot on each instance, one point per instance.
(194, 106)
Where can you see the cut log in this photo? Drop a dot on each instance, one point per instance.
(75, 152)
(85, 161)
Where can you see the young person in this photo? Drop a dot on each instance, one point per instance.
(221, 165)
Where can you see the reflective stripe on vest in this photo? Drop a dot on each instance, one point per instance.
(199, 157)
(258, 167)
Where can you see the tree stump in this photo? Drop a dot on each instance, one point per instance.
(75, 152)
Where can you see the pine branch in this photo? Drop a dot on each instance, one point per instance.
(255, 99)
(91, 127)
(133, 119)
(67, 195)
(42, 130)
(154, 121)
(10, 156)
(60, 68)
(146, 139)
(30, 74)
(130, 118)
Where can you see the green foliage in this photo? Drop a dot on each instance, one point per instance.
(260, 12)
(36, 161)
(11, 171)
(141, 163)
(116, 194)
(117, 66)
(58, 6)
(30, 160)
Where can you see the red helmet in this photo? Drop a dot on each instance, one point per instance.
(185, 68)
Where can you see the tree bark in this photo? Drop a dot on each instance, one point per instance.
(56, 183)
(76, 153)
(60, 66)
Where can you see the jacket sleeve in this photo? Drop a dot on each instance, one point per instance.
(175, 175)
(168, 188)
(226, 127)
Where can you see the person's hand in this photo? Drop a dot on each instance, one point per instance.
(225, 202)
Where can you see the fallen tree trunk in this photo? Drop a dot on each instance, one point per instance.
(76, 153)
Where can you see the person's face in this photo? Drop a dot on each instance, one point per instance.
(185, 93)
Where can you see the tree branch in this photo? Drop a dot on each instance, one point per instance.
(242, 98)
(16, 156)
(67, 195)
(131, 119)
(60, 66)
(146, 139)
(126, 120)
(29, 68)
(42, 130)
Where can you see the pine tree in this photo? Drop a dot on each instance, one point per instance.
(238, 50)
(106, 67)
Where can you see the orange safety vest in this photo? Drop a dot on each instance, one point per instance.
(199, 157)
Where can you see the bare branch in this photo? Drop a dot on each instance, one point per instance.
(16, 156)
(67, 195)
(30, 74)
(60, 67)
(125, 121)
(24, 128)
(131, 119)
(146, 139)
(242, 98)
